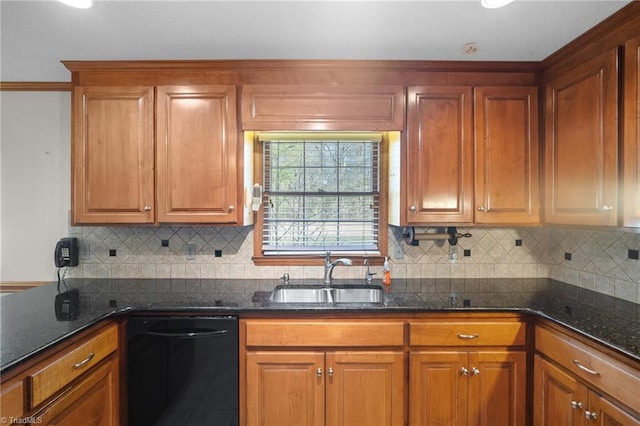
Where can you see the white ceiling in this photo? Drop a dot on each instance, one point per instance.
(37, 35)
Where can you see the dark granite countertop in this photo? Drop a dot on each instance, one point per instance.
(29, 324)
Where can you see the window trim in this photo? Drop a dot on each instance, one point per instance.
(260, 259)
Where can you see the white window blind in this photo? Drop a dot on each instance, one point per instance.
(321, 193)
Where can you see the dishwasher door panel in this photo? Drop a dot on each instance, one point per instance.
(182, 371)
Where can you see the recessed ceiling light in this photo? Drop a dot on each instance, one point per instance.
(493, 4)
(80, 4)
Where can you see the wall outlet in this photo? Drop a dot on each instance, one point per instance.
(190, 251)
(85, 250)
(453, 300)
(454, 257)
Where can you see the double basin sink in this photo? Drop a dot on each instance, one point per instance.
(338, 294)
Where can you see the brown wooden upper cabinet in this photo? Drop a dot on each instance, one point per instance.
(631, 138)
(195, 151)
(112, 155)
(440, 155)
(582, 144)
(319, 107)
(507, 155)
(196, 154)
(438, 160)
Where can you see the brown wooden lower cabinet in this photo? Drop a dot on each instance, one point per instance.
(340, 372)
(560, 399)
(318, 388)
(93, 401)
(578, 384)
(467, 388)
(78, 384)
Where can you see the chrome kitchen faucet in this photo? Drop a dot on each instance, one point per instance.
(328, 266)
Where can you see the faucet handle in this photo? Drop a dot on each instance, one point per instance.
(285, 278)
(369, 277)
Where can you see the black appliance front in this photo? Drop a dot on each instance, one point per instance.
(182, 371)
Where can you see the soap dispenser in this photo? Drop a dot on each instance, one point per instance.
(386, 273)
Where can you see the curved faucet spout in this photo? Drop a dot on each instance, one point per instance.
(329, 265)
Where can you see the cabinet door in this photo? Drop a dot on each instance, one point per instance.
(437, 388)
(608, 414)
(558, 399)
(365, 388)
(497, 388)
(197, 154)
(94, 401)
(506, 155)
(582, 144)
(112, 155)
(631, 138)
(439, 156)
(285, 388)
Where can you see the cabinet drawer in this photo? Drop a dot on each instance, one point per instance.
(338, 333)
(467, 333)
(598, 369)
(12, 399)
(71, 363)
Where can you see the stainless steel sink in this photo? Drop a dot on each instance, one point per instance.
(358, 294)
(364, 294)
(294, 294)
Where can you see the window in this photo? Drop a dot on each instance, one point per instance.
(321, 193)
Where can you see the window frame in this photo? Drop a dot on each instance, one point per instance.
(260, 259)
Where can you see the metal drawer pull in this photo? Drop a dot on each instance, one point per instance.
(576, 404)
(84, 361)
(583, 368)
(330, 371)
(468, 336)
(319, 372)
(475, 371)
(591, 415)
(464, 371)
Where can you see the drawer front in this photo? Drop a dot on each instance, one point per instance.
(467, 333)
(336, 333)
(12, 400)
(71, 363)
(597, 369)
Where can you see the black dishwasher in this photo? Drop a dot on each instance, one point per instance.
(182, 370)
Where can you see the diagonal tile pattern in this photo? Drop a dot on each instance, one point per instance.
(599, 258)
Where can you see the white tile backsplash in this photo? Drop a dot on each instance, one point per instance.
(599, 258)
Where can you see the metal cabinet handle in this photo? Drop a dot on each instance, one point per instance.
(231, 208)
(475, 371)
(464, 371)
(583, 368)
(147, 208)
(591, 415)
(84, 361)
(606, 208)
(413, 209)
(330, 371)
(480, 208)
(576, 405)
(468, 336)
